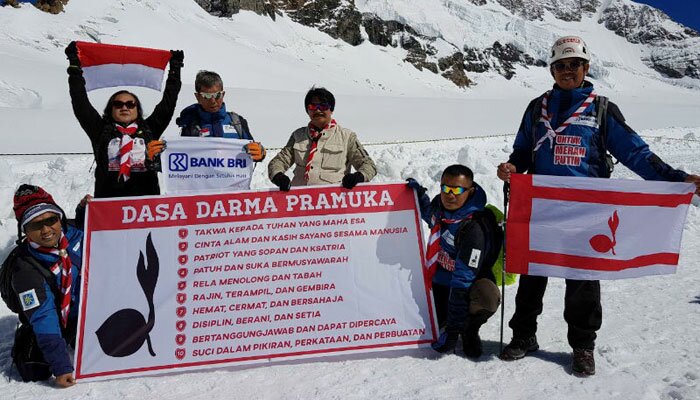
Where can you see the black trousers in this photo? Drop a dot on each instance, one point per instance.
(441, 295)
(582, 310)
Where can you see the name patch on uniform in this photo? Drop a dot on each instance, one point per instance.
(586, 120)
(29, 300)
(474, 258)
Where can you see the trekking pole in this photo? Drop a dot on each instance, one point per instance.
(506, 194)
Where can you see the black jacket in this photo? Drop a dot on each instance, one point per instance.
(102, 131)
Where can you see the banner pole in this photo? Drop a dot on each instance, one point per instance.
(506, 194)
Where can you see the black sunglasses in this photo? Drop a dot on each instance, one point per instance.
(37, 225)
(560, 66)
(119, 104)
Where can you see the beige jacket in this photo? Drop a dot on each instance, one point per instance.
(338, 149)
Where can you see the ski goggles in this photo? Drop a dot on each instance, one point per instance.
(574, 65)
(119, 104)
(320, 107)
(37, 225)
(455, 190)
(209, 96)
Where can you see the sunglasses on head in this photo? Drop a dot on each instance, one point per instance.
(119, 104)
(209, 96)
(319, 107)
(560, 66)
(36, 225)
(456, 190)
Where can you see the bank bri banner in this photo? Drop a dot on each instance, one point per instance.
(593, 228)
(197, 165)
(177, 283)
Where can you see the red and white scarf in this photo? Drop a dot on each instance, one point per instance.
(551, 133)
(63, 267)
(125, 146)
(434, 249)
(315, 134)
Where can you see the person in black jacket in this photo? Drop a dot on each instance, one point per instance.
(122, 129)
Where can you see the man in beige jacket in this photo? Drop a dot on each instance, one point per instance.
(321, 152)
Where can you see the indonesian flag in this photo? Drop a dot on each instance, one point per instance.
(108, 65)
(592, 228)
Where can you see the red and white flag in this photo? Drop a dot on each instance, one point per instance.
(592, 228)
(108, 65)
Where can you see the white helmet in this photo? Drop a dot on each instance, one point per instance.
(569, 46)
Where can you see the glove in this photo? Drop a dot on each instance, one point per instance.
(350, 180)
(72, 54)
(413, 184)
(176, 59)
(256, 150)
(282, 181)
(154, 147)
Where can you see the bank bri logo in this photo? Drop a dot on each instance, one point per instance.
(178, 162)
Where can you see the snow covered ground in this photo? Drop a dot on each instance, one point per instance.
(648, 347)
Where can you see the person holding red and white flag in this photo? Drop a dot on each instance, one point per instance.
(124, 142)
(568, 132)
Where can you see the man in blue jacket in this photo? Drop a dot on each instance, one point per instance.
(460, 255)
(49, 301)
(560, 135)
(209, 118)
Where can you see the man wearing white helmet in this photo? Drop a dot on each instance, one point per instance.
(570, 111)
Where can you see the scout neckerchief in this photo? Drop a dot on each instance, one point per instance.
(551, 134)
(125, 146)
(315, 134)
(434, 249)
(63, 267)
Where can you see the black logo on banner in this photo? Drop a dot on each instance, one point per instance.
(124, 332)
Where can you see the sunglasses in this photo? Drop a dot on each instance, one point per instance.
(37, 225)
(456, 190)
(119, 104)
(209, 96)
(319, 107)
(570, 66)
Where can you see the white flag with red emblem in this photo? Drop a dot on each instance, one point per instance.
(592, 228)
(107, 65)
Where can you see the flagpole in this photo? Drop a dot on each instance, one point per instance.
(506, 194)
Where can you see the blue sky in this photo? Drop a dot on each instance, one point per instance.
(687, 12)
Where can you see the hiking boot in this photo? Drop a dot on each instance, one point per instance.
(446, 343)
(518, 348)
(471, 344)
(584, 363)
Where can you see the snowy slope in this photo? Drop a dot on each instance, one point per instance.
(648, 347)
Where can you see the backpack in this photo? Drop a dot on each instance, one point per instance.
(6, 291)
(497, 268)
(601, 107)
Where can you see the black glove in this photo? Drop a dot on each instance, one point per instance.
(72, 54)
(350, 180)
(413, 184)
(176, 59)
(282, 181)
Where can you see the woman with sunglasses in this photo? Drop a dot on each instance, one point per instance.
(322, 152)
(464, 243)
(125, 143)
(560, 135)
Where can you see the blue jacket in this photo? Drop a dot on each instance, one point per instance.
(463, 275)
(579, 151)
(42, 313)
(194, 121)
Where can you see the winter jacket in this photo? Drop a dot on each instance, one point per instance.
(465, 272)
(194, 121)
(578, 150)
(43, 314)
(338, 149)
(105, 138)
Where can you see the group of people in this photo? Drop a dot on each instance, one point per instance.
(465, 239)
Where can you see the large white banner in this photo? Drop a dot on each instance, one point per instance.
(194, 165)
(191, 282)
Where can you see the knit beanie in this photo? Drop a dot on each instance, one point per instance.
(32, 201)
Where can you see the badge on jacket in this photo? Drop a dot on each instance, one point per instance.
(29, 300)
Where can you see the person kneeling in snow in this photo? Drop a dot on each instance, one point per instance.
(45, 265)
(465, 241)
